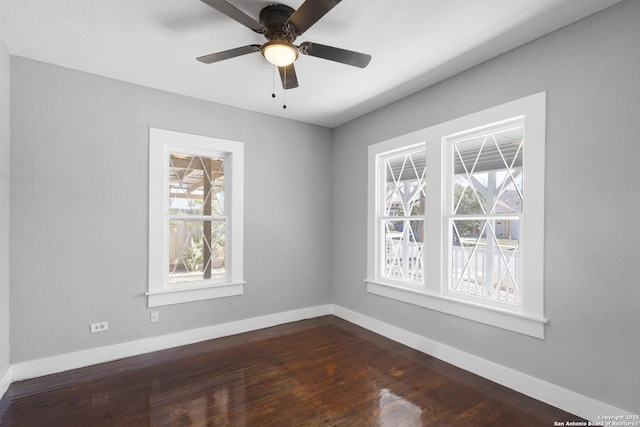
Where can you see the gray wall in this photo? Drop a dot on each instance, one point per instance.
(4, 208)
(79, 196)
(591, 72)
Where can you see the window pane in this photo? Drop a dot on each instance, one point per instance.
(403, 250)
(196, 250)
(196, 185)
(404, 184)
(488, 173)
(484, 258)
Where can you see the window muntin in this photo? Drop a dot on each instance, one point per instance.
(195, 217)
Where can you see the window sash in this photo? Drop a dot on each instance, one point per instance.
(476, 260)
(185, 268)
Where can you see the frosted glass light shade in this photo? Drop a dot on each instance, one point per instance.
(280, 53)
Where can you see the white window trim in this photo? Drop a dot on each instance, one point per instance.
(161, 143)
(529, 318)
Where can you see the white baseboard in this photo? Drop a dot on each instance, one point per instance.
(5, 382)
(80, 359)
(559, 397)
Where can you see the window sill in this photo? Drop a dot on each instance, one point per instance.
(516, 322)
(162, 297)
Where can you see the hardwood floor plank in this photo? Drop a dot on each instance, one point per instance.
(318, 372)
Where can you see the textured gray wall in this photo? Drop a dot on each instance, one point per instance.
(4, 207)
(79, 196)
(591, 72)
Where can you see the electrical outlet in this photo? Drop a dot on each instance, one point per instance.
(99, 327)
(155, 316)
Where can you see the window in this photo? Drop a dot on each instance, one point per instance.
(401, 215)
(454, 208)
(483, 213)
(195, 217)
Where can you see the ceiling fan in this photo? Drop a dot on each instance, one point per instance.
(281, 25)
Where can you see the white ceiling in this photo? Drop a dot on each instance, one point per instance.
(414, 44)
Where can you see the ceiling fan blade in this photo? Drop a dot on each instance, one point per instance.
(234, 13)
(310, 12)
(344, 56)
(288, 77)
(228, 54)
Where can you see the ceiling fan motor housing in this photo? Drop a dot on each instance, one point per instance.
(281, 25)
(274, 18)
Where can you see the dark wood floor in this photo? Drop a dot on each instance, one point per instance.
(318, 372)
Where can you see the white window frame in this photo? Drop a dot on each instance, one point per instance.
(527, 317)
(161, 144)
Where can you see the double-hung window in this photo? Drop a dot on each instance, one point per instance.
(456, 214)
(401, 215)
(484, 200)
(195, 217)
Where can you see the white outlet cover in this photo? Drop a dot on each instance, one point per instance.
(99, 327)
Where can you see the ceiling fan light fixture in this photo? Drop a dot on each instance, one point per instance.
(280, 53)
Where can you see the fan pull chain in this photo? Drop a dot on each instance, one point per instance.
(284, 93)
(284, 85)
(273, 82)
